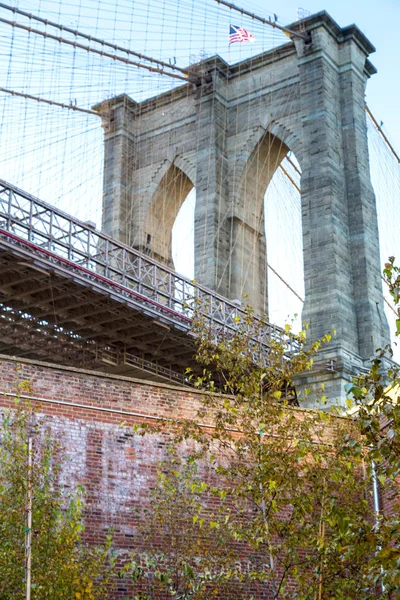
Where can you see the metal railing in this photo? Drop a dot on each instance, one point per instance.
(131, 275)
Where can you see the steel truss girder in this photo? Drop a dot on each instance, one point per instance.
(46, 252)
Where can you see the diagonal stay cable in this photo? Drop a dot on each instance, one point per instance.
(127, 61)
(90, 38)
(379, 129)
(51, 102)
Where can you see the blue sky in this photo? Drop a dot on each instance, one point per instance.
(183, 30)
(379, 21)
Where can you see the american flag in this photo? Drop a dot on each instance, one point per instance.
(238, 34)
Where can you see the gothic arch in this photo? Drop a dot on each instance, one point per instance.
(268, 132)
(173, 188)
(263, 152)
(258, 171)
(187, 164)
(290, 138)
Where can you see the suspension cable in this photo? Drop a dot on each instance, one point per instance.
(285, 282)
(51, 102)
(92, 39)
(271, 23)
(379, 128)
(292, 181)
(89, 49)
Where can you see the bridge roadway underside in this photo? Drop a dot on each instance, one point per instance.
(50, 312)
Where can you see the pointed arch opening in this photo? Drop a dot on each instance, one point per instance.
(284, 235)
(172, 191)
(183, 237)
(248, 258)
(261, 165)
(266, 239)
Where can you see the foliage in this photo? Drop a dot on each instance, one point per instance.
(63, 566)
(376, 395)
(392, 277)
(286, 488)
(185, 555)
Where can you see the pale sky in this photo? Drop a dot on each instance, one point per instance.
(58, 154)
(379, 21)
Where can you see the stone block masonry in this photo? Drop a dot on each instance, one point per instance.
(225, 134)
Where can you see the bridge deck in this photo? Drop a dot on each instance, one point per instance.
(71, 294)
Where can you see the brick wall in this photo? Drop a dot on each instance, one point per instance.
(93, 415)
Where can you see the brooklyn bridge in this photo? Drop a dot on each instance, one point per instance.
(291, 117)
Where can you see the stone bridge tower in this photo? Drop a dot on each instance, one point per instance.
(225, 133)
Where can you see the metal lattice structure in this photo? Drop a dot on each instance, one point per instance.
(73, 294)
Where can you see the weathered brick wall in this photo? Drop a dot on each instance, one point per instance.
(93, 415)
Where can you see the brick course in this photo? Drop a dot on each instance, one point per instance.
(93, 415)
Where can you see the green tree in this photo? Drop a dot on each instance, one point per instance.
(291, 492)
(183, 555)
(376, 395)
(63, 566)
